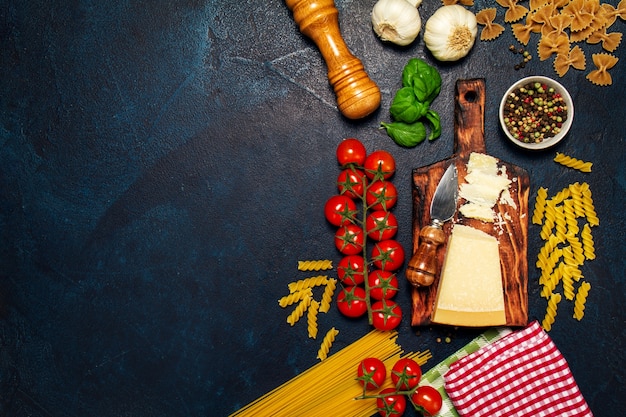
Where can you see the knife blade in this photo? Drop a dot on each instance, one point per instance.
(422, 267)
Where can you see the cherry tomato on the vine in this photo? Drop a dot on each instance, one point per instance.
(386, 315)
(351, 301)
(371, 373)
(381, 195)
(428, 399)
(382, 284)
(388, 255)
(406, 374)
(380, 164)
(340, 210)
(351, 182)
(391, 404)
(351, 151)
(350, 270)
(349, 239)
(381, 225)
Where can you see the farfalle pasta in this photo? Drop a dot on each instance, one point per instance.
(574, 59)
(603, 62)
(561, 24)
(491, 30)
(514, 10)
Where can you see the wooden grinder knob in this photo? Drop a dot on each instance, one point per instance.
(357, 95)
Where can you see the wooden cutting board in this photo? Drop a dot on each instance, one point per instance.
(512, 234)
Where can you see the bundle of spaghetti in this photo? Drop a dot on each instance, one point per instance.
(329, 388)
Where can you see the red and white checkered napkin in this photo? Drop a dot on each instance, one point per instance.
(522, 374)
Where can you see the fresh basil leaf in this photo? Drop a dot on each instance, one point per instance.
(404, 107)
(409, 71)
(435, 123)
(406, 134)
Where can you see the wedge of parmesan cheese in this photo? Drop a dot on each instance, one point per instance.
(483, 186)
(470, 291)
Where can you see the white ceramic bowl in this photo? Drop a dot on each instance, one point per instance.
(548, 141)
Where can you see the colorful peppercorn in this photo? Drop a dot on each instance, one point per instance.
(534, 112)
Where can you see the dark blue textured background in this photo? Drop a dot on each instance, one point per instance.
(163, 167)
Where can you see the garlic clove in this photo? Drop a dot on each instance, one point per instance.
(396, 21)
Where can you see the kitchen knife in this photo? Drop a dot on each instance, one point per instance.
(422, 267)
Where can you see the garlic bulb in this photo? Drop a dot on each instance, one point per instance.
(450, 32)
(396, 21)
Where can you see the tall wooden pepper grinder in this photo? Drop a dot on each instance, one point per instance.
(357, 95)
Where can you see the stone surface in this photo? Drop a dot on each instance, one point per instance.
(163, 167)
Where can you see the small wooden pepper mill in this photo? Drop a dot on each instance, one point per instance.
(357, 95)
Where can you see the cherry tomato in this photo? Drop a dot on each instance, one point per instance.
(386, 315)
(392, 404)
(371, 373)
(428, 399)
(350, 270)
(340, 210)
(351, 301)
(406, 374)
(388, 255)
(351, 182)
(381, 225)
(379, 165)
(349, 239)
(381, 195)
(382, 284)
(351, 151)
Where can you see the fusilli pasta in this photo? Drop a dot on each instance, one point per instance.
(572, 162)
(315, 265)
(550, 317)
(312, 319)
(327, 342)
(580, 300)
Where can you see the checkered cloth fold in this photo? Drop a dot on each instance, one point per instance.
(434, 376)
(522, 375)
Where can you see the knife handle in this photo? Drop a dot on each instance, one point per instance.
(422, 267)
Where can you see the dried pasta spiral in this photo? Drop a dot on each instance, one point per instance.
(568, 286)
(327, 342)
(327, 296)
(318, 265)
(550, 316)
(572, 162)
(308, 283)
(540, 205)
(298, 312)
(588, 245)
(581, 299)
(311, 319)
(294, 297)
(590, 211)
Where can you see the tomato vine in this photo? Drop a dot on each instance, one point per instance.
(365, 233)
